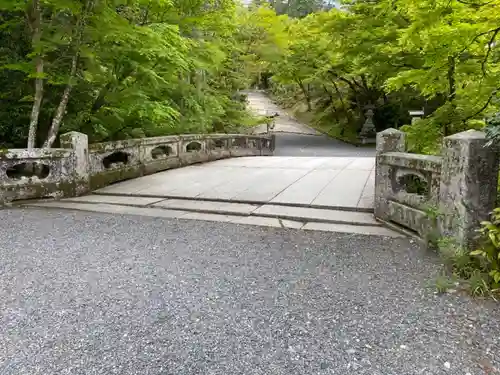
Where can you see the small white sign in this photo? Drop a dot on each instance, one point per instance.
(416, 113)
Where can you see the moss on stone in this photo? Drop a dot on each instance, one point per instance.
(107, 177)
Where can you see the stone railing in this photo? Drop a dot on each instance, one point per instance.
(77, 167)
(446, 196)
(35, 173)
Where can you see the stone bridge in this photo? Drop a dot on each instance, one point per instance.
(223, 177)
(235, 178)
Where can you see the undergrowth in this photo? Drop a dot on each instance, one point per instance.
(478, 271)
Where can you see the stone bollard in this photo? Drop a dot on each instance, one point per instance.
(389, 140)
(79, 143)
(468, 186)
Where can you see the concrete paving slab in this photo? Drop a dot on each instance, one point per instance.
(297, 217)
(368, 194)
(345, 228)
(209, 217)
(112, 209)
(317, 214)
(366, 202)
(237, 182)
(305, 190)
(288, 180)
(115, 199)
(268, 222)
(129, 186)
(254, 162)
(266, 188)
(309, 163)
(344, 190)
(167, 180)
(336, 163)
(205, 180)
(362, 164)
(220, 207)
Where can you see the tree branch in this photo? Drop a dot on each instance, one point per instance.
(484, 106)
(475, 5)
(478, 36)
(492, 39)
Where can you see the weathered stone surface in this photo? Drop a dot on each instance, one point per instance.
(394, 202)
(390, 140)
(358, 229)
(468, 188)
(409, 217)
(44, 173)
(316, 214)
(78, 167)
(457, 189)
(207, 206)
(413, 161)
(79, 143)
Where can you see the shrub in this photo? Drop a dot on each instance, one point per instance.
(479, 268)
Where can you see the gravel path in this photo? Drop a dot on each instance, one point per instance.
(88, 293)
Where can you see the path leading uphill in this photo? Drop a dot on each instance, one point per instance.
(294, 138)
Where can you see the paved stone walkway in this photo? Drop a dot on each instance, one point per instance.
(292, 144)
(311, 193)
(296, 139)
(321, 182)
(261, 105)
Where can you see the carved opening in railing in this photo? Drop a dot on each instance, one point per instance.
(252, 143)
(28, 170)
(413, 184)
(116, 159)
(161, 152)
(239, 142)
(193, 146)
(219, 143)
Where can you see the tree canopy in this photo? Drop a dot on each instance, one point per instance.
(115, 69)
(395, 55)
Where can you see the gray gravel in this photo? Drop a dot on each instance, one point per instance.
(85, 293)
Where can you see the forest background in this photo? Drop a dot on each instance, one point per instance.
(117, 69)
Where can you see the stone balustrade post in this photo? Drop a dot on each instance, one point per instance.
(79, 143)
(468, 186)
(389, 140)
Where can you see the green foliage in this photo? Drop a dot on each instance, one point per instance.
(395, 55)
(167, 67)
(488, 254)
(444, 283)
(480, 269)
(143, 68)
(492, 129)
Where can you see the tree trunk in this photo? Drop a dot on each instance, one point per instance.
(35, 21)
(452, 91)
(341, 97)
(61, 108)
(306, 94)
(56, 121)
(451, 79)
